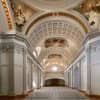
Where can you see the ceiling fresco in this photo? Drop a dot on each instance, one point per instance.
(57, 42)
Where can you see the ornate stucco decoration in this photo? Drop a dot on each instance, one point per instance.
(91, 10)
(22, 13)
(7, 13)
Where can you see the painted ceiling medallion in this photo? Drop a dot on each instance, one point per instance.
(55, 42)
(54, 4)
(57, 56)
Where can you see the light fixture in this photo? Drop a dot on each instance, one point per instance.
(54, 68)
(38, 49)
(34, 53)
(34, 84)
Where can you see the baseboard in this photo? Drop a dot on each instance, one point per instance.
(84, 92)
(89, 95)
(17, 95)
(94, 96)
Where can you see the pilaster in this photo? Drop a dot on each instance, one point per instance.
(88, 51)
(11, 70)
(24, 70)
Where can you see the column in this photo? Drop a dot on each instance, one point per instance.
(88, 69)
(24, 70)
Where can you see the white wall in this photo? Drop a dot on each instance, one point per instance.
(95, 67)
(16, 67)
(4, 71)
(18, 70)
(90, 66)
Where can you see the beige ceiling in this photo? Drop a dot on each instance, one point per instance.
(42, 20)
(52, 4)
(68, 26)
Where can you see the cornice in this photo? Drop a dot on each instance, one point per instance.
(91, 36)
(14, 36)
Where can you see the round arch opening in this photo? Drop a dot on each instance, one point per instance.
(54, 82)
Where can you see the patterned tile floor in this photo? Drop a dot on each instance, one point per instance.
(56, 93)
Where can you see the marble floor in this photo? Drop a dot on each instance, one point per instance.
(56, 93)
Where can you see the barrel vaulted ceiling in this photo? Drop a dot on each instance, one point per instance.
(60, 33)
(55, 29)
